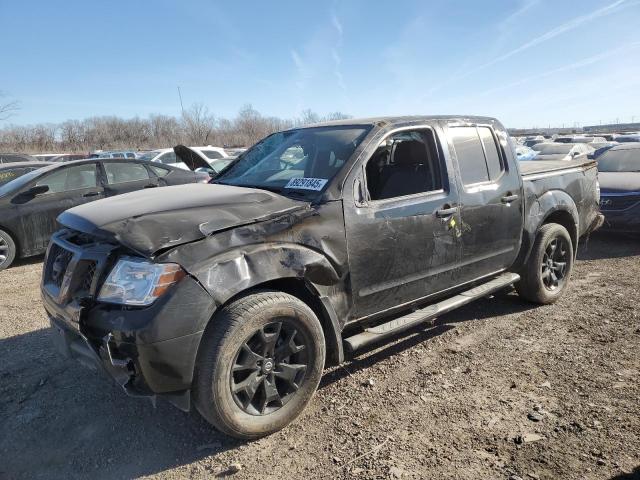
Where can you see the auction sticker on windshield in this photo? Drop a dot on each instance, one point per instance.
(307, 183)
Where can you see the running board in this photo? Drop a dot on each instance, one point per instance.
(386, 330)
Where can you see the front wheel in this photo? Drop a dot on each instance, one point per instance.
(7, 250)
(259, 364)
(547, 273)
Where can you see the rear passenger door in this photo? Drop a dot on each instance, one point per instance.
(122, 177)
(490, 200)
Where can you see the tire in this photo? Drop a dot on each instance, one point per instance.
(7, 250)
(260, 336)
(549, 268)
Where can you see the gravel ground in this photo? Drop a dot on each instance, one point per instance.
(498, 389)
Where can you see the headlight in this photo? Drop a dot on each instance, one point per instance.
(138, 282)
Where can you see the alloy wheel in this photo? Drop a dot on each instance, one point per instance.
(269, 368)
(554, 263)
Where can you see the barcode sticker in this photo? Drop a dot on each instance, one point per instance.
(307, 183)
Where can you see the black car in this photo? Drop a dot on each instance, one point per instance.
(619, 176)
(11, 171)
(16, 157)
(30, 204)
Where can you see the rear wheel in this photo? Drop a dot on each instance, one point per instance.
(549, 268)
(259, 363)
(7, 250)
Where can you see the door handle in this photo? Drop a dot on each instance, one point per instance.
(509, 198)
(446, 212)
(91, 194)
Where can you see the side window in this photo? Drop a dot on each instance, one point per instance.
(473, 167)
(494, 164)
(72, 178)
(123, 172)
(159, 171)
(405, 163)
(168, 158)
(130, 155)
(212, 154)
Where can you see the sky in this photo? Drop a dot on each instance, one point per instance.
(527, 62)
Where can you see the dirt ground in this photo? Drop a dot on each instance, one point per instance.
(499, 389)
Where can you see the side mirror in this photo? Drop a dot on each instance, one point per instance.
(37, 190)
(30, 194)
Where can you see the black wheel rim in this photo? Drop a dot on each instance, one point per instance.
(4, 250)
(554, 263)
(269, 368)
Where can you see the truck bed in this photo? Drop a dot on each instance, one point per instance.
(534, 167)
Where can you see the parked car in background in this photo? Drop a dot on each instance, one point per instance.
(628, 138)
(531, 141)
(46, 156)
(167, 156)
(17, 157)
(235, 152)
(69, 157)
(600, 148)
(525, 153)
(117, 154)
(231, 298)
(561, 151)
(30, 203)
(13, 170)
(619, 176)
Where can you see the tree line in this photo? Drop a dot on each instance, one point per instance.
(196, 126)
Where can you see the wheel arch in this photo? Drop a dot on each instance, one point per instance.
(554, 206)
(294, 269)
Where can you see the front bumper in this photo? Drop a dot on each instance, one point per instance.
(147, 351)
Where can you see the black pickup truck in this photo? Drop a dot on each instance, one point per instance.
(233, 296)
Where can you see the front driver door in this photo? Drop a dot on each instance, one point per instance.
(69, 186)
(401, 238)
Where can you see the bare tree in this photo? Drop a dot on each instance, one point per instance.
(198, 124)
(8, 109)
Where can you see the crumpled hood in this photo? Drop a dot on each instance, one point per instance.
(619, 182)
(155, 219)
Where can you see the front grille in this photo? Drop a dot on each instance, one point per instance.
(621, 202)
(57, 263)
(74, 266)
(87, 278)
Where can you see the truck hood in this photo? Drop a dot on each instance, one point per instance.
(148, 221)
(619, 182)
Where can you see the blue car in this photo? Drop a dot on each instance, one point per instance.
(619, 176)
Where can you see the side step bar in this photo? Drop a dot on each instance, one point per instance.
(386, 330)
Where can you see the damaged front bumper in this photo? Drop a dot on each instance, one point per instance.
(148, 351)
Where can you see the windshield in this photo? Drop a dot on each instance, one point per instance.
(18, 183)
(148, 156)
(620, 161)
(553, 148)
(303, 160)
